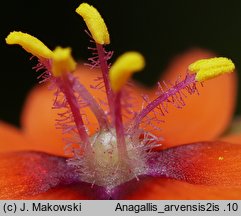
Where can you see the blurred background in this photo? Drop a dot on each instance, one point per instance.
(159, 29)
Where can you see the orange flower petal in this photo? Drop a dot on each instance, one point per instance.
(38, 117)
(11, 139)
(23, 174)
(205, 116)
(234, 138)
(169, 189)
(38, 122)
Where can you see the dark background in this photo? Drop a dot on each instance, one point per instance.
(159, 29)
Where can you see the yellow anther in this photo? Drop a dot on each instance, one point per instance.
(124, 67)
(30, 43)
(62, 61)
(95, 23)
(210, 68)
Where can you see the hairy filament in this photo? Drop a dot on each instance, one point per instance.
(120, 134)
(94, 106)
(105, 73)
(171, 92)
(64, 84)
(44, 66)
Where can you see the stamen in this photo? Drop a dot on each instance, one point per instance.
(95, 23)
(126, 65)
(210, 68)
(100, 34)
(169, 93)
(63, 62)
(30, 43)
(58, 65)
(201, 70)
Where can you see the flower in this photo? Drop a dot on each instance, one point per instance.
(116, 152)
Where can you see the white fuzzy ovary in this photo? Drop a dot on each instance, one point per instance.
(105, 167)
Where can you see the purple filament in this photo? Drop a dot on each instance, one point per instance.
(166, 95)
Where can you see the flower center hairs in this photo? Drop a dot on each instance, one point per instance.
(121, 149)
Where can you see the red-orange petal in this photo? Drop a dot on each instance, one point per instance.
(206, 163)
(204, 117)
(69, 192)
(208, 170)
(25, 174)
(170, 189)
